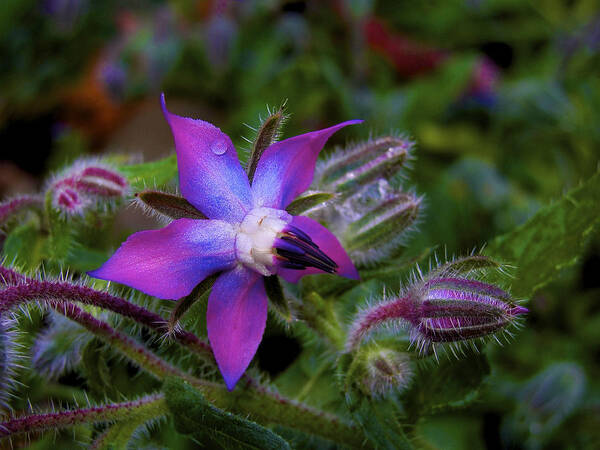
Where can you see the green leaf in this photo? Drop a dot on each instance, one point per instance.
(95, 369)
(24, 245)
(445, 385)
(551, 240)
(155, 173)
(194, 415)
(380, 420)
(308, 201)
(309, 379)
(172, 206)
(61, 238)
(84, 259)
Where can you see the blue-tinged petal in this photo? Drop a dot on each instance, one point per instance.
(328, 244)
(210, 175)
(168, 263)
(286, 168)
(236, 318)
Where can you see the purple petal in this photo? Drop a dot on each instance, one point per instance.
(286, 168)
(328, 243)
(168, 263)
(236, 318)
(210, 175)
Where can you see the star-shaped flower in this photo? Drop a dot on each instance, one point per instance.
(248, 235)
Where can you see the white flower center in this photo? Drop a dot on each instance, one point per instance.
(256, 236)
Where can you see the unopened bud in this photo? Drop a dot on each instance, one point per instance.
(68, 199)
(386, 370)
(78, 186)
(459, 309)
(441, 309)
(350, 169)
(102, 182)
(382, 229)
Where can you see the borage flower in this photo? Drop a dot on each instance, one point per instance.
(248, 235)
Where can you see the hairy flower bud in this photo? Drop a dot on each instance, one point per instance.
(76, 189)
(350, 169)
(369, 213)
(102, 182)
(67, 199)
(448, 306)
(381, 229)
(457, 309)
(385, 370)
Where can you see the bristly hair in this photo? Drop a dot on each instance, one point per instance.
(246, 149)
(377, 318)
(10, 358)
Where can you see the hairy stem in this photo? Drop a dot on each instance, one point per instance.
(105, 413)
(124, 344)
(401, 308)
(26, 289)
(252, 399)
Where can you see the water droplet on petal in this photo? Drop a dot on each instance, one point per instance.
(218, 147)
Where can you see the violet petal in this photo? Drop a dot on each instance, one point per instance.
(286, 168)
(236, 318)
(328, 243)
(210, 175)
(168, 263)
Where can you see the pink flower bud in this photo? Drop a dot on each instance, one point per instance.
(67, 199)
(448, 307)
(83, 183)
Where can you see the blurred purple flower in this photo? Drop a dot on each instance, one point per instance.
(484, 81)
(83, 183)
(220, 35)
(65, 12)
(114, 77)
(248, 235)
(141, 55)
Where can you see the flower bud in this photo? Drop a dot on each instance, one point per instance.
(66, 198)
(101, 182)
(385, 370)
(350, 169)
(444, 308)
(458, 309)
(382, 229)
(76, 189)
(368, 213)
